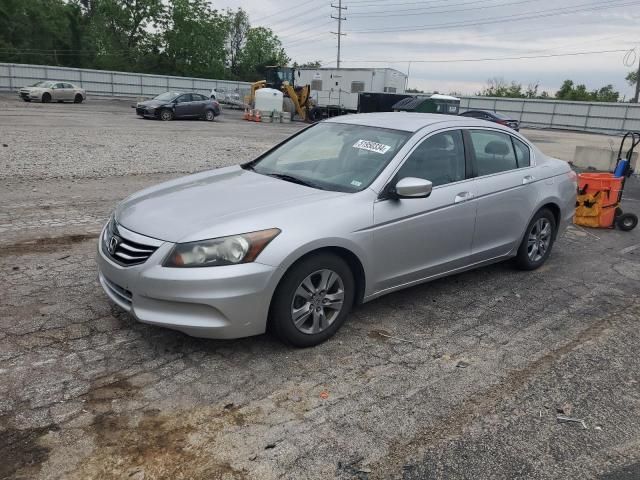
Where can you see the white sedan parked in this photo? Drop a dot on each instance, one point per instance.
(47, 91)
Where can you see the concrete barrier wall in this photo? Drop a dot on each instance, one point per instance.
(108, 83)
(611, 118)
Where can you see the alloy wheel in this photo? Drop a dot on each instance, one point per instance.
(539, 239)
(317, 301)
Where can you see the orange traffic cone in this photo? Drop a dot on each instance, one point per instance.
(246, 114)
(258, 116)
(250, 116)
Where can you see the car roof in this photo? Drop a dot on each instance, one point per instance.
(406, 121)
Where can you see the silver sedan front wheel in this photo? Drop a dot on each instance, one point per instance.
(317, 301)
(539, 239)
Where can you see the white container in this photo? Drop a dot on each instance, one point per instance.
(268, 100)
(342, 86)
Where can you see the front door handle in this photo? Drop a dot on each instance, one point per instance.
(463, 197)
(528, 179)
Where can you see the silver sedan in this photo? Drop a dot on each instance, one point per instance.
(340, 213)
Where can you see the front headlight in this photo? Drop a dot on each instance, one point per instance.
(230, 250)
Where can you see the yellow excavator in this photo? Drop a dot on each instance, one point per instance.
(283, 79)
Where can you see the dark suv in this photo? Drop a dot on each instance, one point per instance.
(494, 117)
(170, 105)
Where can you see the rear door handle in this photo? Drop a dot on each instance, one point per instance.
(528, 179)
(463, 197)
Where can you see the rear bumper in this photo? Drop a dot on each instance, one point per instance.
(216, 302)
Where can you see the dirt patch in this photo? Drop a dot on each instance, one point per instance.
(45, 245)
(21, 452)
(158, 445)
(153, 445)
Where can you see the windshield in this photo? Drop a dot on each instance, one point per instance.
(334, 156)
(167, 96)
(38, 84)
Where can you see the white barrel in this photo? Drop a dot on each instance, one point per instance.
(268, 100)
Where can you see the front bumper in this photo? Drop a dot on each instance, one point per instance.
(215, 302)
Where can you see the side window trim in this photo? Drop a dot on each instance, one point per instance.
(471, 168)
(513, 142)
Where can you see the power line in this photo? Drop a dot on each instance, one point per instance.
(389, 13)
(465, 60)
(278, 12)
(512, 18)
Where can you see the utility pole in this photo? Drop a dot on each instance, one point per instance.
(637, 96)
(340, 18)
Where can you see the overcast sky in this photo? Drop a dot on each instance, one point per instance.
(462, 30)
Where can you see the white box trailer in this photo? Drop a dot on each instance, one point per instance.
(339, 87)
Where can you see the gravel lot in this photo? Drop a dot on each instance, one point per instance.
(460, 378)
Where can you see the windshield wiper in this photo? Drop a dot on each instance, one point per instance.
(292, 179)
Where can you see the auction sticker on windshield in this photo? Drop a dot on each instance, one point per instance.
(372, 146)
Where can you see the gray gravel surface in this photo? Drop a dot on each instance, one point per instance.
(459, 378)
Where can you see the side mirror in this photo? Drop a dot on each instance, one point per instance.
(411, 187)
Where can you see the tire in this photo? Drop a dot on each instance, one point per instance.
(166, 115)
(46, 97)
(78, 98)
(537, 241)
(26, 100)
(209, 116)
(627, 222)
(315, 304)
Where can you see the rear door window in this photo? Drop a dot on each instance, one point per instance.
(494, 152)
(523, 153)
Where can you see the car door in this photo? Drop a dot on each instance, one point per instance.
(422, 237)
(199, 102)
(57, 92)
(506, 191)
(69, 92)
(183, 106)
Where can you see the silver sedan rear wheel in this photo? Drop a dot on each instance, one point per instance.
(539, 239)
(317, 301)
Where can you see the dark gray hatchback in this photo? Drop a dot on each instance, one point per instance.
(170, 105)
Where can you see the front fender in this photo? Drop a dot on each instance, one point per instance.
(358, 249)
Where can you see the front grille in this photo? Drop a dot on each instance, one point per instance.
(123, 250)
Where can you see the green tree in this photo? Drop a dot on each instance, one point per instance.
(239, 27)
(121, 31)
(192, 39)
(414, 90)
(262, 48)
(39, 31)
(570, 91)
(173, 37)
(313, 64)
(498, 87)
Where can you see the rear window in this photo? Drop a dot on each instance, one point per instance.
(501, 116)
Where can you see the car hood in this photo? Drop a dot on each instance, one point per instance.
(152, 103)
(196, 207)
